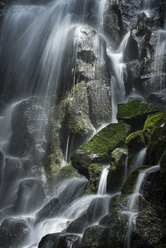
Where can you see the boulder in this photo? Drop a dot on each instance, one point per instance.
(13, 232)
(163, 169)
(94, 237)
(60, 241)
(99, 148)
(135, 112)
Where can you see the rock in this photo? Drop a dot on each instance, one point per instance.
(13, 232)
(30, 196)
(117, 170)
(99, 148)
(149, 230)
(129, 183)
(135, 112)
(112, 24)
(60, 241)
(163, 169)
(94, 237)
(88, 104)
(153, 121)
(135, 142)
(156, 145)
(29, 135)
(95, 211)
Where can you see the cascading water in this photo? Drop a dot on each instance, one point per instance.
(139, 158)
(103, 181)
(132, 212)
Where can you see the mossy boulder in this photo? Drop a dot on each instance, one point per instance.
(161, 246)
(156, 145)
(163, 168)
(153, 121)
(94, 172)
(135, 112)
(99, 148)
(135, 142)
(117, 169)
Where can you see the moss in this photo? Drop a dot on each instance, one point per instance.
(135, 108)
(94, 171)
(129, 183)
(66, 171)
(135, 141)
(134, 112)
(106, 140)
(153, 121)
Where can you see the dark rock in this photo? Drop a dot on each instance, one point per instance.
(94, 237)
(13, 232)
(60, 241)
(30, 195)
(163, 169)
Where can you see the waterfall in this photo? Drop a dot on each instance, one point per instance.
(159, 65)
(139, 158)
(132, 212)
(102, 188)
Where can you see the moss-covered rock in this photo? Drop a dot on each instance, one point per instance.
(117, 169)
(163, 168)
(153, 121)
(94, 172)
(156, 145)
(135, 112)
(99, 148)
(161, 246)
(135, 142)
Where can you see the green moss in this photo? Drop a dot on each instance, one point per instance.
(135, 108)
(66, 171)
(153, 121)
(106, 140)
(94, 171)
(135, 141)
(129, 183)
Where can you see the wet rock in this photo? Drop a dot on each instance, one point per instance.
(30, 195)
(95, 211)
(117, 169)
(29, 135)
(113, 27)
(13, 232)
(99, 148)
(156, 145)
(135, 142)
(60, 241)
(163, 169)
(94, 237)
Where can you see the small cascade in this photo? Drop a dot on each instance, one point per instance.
(146, 7)
(103, 181)
(117, 81)
(139, 159)
(158, 67)
(132, 212)
(102, 6)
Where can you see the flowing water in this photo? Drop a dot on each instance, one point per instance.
(132, 212)
(103, 181)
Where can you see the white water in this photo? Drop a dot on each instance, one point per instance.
(160, 53)
(117, 81)
(132, 212)
(140, 158)
(102, 188)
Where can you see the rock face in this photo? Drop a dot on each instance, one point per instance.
(13, 232)
(88, 104)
